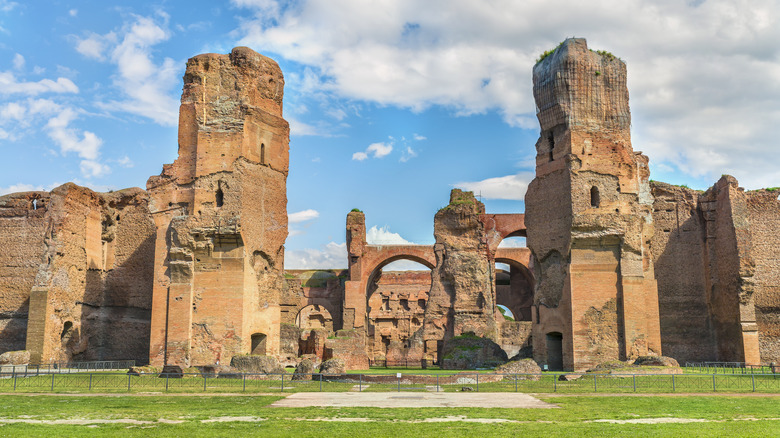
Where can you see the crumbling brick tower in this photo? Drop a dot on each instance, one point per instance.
(221, 215)
(588, 213)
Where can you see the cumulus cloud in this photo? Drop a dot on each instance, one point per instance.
(147, 86)
(383, 236)
(704, 87)
(86, 144)
(330, 256)
(302, 216)
(10, 85)
(20, 187)
(510, 187)
(93, 169)
(376, 150)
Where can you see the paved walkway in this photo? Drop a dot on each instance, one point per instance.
(412, 400)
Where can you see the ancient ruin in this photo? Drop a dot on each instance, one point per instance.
(189, 272)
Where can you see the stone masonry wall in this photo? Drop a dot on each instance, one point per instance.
(679, 254)
(764, 209)
(22, 231)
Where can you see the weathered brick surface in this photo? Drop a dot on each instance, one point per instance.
(221, 215)
(588, 213)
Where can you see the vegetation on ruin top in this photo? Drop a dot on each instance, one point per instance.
(356, 210)
(547, 53)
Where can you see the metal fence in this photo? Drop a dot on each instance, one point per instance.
(383, 363)
(732, 368)
(460, 382)
(67, 367)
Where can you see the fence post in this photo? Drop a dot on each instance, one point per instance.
(634, 382)
(166, 382)
(129, 376)
(673, 386)
(515, 382)
(204, 382)
(399, 383)
(90, 381)
(52, 382)
(437, 383)
(282, 382)
(555, 383)
(595, 388)
(477, 382)
(243, 377)
(713, 381)
(360, 384)
(320, 382)
(753, 380)
(14, 379)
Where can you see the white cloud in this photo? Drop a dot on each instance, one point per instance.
(73, 12)
(380, 149)
(18, 62)
(419, 137)
(704, 88)
(125, 162)
(147, 87)
(93, 169)
(302, 216)
(20, 187)
(7, 6)
(377, 150)
(510, 187)
(10, 85)
(330, 256)
(67, 138)
(383, 236)
(95, 45)
(408, 154)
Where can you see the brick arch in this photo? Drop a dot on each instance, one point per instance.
(373, 259)
(518, 296)
(500, 226)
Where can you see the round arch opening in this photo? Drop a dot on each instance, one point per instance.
(396, 295)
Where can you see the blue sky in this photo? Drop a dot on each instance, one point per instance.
(391, 103)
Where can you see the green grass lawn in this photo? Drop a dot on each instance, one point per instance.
(577, 416)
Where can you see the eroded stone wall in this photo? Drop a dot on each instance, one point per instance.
(680, 260)
(82, 263)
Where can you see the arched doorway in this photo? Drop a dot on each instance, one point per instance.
(314, 316)
(396, 298)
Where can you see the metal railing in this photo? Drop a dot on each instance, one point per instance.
(733, 368)
(402, 363)
(67, 367)
(397, 382)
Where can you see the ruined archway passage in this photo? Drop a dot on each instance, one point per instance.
(500, 226)
(395, 310)
(515, 289)
(365, 267)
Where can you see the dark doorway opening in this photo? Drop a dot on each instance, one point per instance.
(555, 351)
(258, 343)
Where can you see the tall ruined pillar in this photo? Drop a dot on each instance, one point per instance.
(462, 297)
(354, 305)
(588, 213)
(221, 215)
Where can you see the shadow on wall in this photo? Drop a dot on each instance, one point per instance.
(116, 310)
(13, 331)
